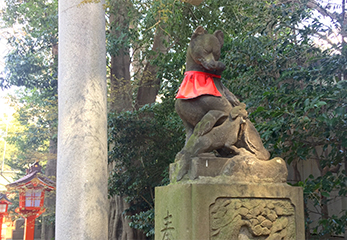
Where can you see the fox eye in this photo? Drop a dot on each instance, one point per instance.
(208, 49)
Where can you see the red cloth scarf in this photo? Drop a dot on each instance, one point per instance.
(196, 84)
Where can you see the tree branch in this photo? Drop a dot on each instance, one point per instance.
(314, 5)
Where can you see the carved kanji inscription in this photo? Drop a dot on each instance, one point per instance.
(168, 228)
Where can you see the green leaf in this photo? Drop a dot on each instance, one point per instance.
(325, 194)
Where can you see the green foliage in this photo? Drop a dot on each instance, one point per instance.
(142, 145)
(143, 221)
(318, 190)
(32, 62)
(297, 101)
(32, 65)
(295, 91)
(292, 88)
(37, 120)
(8, 125)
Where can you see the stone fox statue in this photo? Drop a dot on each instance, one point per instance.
(213, 117)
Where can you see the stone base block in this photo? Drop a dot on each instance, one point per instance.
(195, 211)
(238, 168)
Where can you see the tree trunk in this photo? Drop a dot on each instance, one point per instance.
(121, 100)
(48, 222)
(48, 226)
(149, 84)
(118, 225)
(121, 90)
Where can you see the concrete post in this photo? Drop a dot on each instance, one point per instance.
(81, 209)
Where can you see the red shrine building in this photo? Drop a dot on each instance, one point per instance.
(31, 188)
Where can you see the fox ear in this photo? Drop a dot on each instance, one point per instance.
(220, 36)
(199, 31)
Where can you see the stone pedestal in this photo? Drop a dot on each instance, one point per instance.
(238, 210)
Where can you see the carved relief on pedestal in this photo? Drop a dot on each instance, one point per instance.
(252, 218)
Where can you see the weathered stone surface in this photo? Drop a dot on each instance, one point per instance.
(208, 166)
(229, 211)
(213, 117)
(81, 210)
(249, 168)
(242, 168)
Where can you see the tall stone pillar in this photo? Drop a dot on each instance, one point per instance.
(81, 209)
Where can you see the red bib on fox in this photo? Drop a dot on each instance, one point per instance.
(196, 84)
